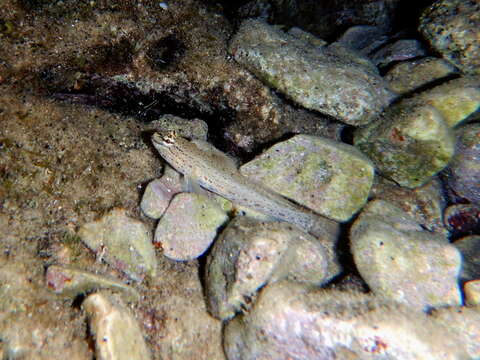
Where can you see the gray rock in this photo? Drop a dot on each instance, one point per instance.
(402, 262)
(316, 78)
(464, 323)
(189, 226)
(308, 38)
(70, 282)
(159, 193)
(191, 128)
(123, 242)
(329, 177)
(463, 173)
(293, 321)
(400, 50)
(472, 292)
(425, 203)
(409, 143)
(250, 254)
(117, 334)
(363, 38)
(456, 100)
(408, 76)
(327, 19)
(452, 27)
(469, 247)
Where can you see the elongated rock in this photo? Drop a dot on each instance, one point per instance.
(318, 78)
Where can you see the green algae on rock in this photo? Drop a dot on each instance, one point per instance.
(409, 143)
(403, 262)
(456, 100)
(329, 177)
(250, 254)
(315, 77)
(123, 242)
(189, 226)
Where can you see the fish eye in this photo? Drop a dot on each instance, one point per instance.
(165, 138)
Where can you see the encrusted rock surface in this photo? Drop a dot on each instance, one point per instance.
(452, 28)
(316, 78)
(331, 178)
(464, 170)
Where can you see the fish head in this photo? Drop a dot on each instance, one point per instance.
(164, 139)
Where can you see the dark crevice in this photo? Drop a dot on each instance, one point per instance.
(127, 100)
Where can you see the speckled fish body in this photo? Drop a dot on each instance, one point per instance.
(214, 172)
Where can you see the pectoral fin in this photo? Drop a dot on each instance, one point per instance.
(192, 186)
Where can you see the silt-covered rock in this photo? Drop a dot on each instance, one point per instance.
(329, 177)
(318, 78)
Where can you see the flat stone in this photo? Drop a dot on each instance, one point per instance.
(250, 254)
(329, 177)
(117, 333)
(401, 261)
(123, 242)
(409, 143)
(315, 77)
(189, 226)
